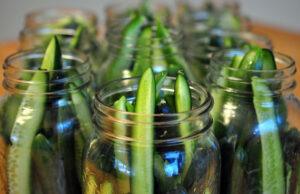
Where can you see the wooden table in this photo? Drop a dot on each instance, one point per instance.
(284, 41)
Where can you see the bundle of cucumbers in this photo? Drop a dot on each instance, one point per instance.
(143, 165)
(48, 129)
(145, 42)
(259, 148)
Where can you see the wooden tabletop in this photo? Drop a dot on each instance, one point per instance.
(283, 40)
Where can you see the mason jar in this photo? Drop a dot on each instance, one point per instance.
(130, 55)
(197, 16)
(120, 13)
(65, 23)
(108, 156)
(199, 47)
(63, 18)
(44, 124)
(256, 121)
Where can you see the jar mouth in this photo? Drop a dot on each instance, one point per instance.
(283, 76)
(118, 13)
(241, 36)
(42, 16)
(47, 31)
(199, 20)
(203, 108)
(20, 67)
(115, 37)
(165, 125)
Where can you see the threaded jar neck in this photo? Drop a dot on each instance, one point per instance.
(39, 37)
(20, 67)
(126, 45)
(204, 44)
(227, 78)
(54, 16)
(119, 14)
(106, 118)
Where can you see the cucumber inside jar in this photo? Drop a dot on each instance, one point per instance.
(250, 121)
(140, 165)
(42, 157)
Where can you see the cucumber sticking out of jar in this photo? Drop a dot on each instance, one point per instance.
(130, 35)
(183, 103)
(142, 153)
(29, 117)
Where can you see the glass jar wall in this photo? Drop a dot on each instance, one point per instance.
(76, 29)
(109, 163)
(256, 120)
(44, 124)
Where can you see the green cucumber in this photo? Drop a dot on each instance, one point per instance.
(129, 107)
(27, 123)
(171, 51)
(183, 103)
(83, 112)
(76, 39)
(272, 157)
(130, 34)
(46, 166)
(144, 52)
(142, 152)
(79, 146)
(121, 157)
(159, 80)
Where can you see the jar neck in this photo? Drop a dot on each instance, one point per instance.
(119, 14)
(20, 68)
(238, 81)
(204, 44)
(165, 126)
(61, 16)
(128, 45)
(39, 37)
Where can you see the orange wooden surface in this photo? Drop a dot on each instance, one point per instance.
(284, 41)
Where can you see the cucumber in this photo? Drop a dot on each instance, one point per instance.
(83, 112)
(46, 166)
(272, 157)
(142, 152)
(28, 120)
(120, 149)
(130, 34)
(171, 51)
(144, 52)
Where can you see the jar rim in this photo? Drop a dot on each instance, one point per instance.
(289, 60)
(248, 36)
(279, 81)
(12, 71)
(46, 31)
(31, 18)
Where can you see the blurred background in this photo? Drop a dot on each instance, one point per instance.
(276, 13)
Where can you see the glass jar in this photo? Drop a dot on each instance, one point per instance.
(64, 22)
(109, 154)
(128, 58)
(258, 132)
(199, 47)
(44, 124)
(31, 38)
(197, 16)
(61, 18)
(119, 14)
